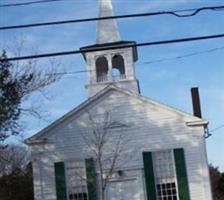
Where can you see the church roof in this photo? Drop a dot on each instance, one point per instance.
(111, 45)
(192, 120)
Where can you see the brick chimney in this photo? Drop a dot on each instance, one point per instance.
(196, 102)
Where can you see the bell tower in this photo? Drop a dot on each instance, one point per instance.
(109, 61)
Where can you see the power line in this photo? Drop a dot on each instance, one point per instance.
(114, 47)
(217, 128)
(194, 12)
(183, 56)
(209, 133)
(68, 73)
(147, 62)
(28, 3)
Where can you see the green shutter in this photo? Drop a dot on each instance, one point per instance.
(91, 179)
(60, 181)
(149, 176)
(181, 173)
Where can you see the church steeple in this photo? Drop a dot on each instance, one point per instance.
(107, 30)
(112, 66)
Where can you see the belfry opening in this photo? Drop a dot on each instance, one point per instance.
(102, 69)
(118, 67)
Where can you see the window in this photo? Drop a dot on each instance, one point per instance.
(76, 180)
(101, 69)
(118, 68)
(165, 175)
(78, 196)
(166, 191)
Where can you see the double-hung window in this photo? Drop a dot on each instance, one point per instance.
(76, 180)
(165, 176)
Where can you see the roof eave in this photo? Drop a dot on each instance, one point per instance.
(108, 46)
(201, 122)
(33, 141)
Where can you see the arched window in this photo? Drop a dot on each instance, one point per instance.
(118, 69)
(101, 69)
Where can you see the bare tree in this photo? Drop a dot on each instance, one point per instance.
(106, 149)
(12, 158)
(18, 80)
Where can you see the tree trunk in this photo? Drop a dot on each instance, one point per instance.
(101, 190)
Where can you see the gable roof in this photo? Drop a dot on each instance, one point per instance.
(193, 121)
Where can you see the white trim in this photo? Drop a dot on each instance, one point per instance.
(131, 178)
(38, 141)
(197, 123)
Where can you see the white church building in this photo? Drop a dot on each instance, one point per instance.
(150, 151)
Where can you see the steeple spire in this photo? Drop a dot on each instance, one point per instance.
(112, 66)
(107, 30)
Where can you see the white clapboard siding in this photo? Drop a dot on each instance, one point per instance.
(150, 128)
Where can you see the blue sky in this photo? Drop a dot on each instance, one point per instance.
(168, 82)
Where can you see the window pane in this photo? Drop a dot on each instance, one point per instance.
(165, 175)
(76, 180)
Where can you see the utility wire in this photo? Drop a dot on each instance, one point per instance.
(217, 128)
(28, 3)
(68, 73)
(114, 47)
(174, 13)
(183, 56)
(147, 62)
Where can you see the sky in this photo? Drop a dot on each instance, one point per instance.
(162, 76)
